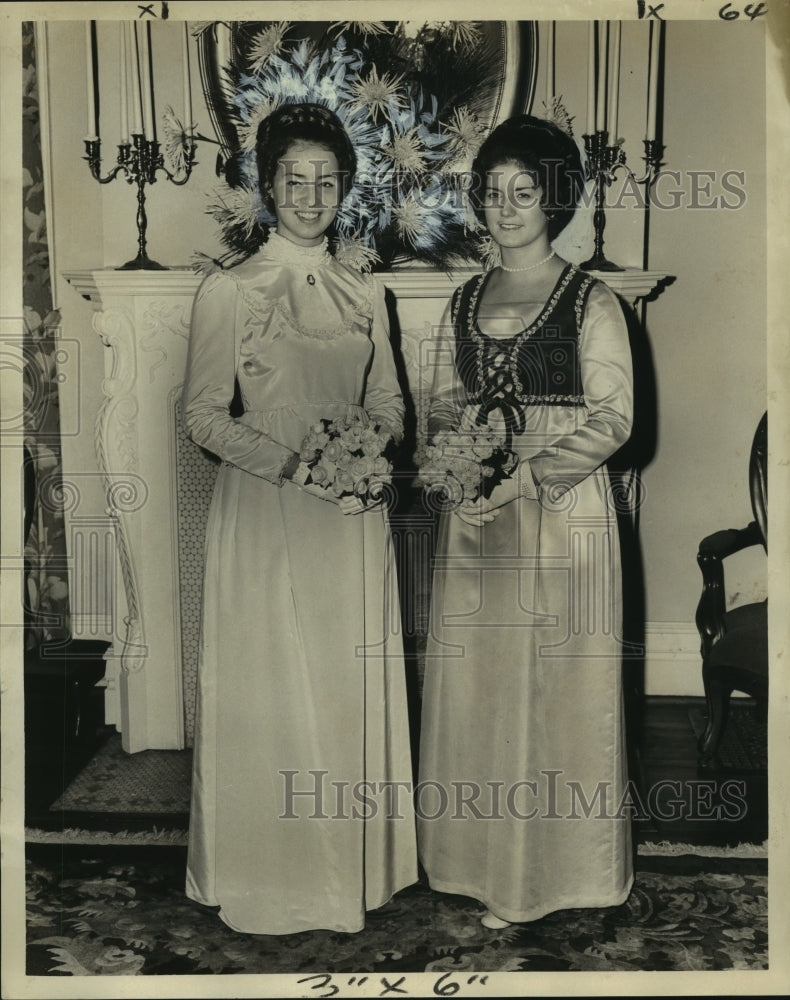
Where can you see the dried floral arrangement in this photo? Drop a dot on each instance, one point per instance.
(410, 96)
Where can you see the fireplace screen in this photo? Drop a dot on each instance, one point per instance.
(196, 471)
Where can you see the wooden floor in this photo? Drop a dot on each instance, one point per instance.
(672, 798)
(686, 803)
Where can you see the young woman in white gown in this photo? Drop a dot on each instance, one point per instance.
(522, 757)
(302, 715)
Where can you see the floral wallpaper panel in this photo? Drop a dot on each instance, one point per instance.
(46, 581)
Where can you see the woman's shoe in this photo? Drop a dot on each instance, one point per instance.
(494, 922)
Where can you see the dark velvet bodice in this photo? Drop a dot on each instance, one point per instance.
(538, 366)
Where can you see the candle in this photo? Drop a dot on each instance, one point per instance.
(652, 89)
(614, 90)
(135, 56)
(600, 79)
(124, 97)
(93, 129)
(187, 84)
(591, 78)
(148, 99)
(224, 45)
(550, 64)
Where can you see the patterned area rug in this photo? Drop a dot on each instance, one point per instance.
(113, 781)
(123, 912)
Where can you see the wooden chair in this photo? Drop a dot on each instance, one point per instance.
(734, 643)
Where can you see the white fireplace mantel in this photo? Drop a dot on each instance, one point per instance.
(142, 318)
(413, 282)
(632, 283)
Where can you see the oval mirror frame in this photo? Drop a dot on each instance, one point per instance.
(511, 86)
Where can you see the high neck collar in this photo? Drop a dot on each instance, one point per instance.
(284, 251)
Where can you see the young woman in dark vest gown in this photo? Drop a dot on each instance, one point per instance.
(523, 794)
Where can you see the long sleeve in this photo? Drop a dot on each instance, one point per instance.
(383, 398)
(448, 396)
(607, 379)
(210, 378)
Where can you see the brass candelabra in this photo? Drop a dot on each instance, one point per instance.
(139, 161)
(602, 163)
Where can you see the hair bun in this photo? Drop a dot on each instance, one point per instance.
(295, 117)
(550, 136)
(301, 114)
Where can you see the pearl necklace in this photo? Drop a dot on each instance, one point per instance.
(532, 267)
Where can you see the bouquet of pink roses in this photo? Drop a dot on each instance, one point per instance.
(464, 465)
(347, 458)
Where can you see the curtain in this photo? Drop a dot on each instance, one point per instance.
(46, 578)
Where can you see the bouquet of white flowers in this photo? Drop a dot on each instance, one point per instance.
(347, 458)
(464, 465)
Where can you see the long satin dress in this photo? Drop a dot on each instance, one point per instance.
(522, 761)
(301, 696)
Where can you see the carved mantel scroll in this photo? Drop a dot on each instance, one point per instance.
(142, 319)
(116, 451)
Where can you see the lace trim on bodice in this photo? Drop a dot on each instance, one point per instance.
(282, 251)
(261, 306)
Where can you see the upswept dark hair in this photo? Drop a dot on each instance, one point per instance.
(306, 122)
(545, 151)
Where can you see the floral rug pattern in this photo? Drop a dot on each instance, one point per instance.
(116, 913)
